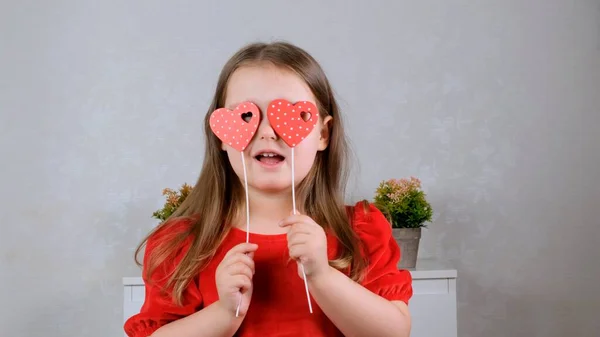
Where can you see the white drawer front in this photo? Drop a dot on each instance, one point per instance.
(137, 293)
(430, 286)
(133, 300)
(433, 308)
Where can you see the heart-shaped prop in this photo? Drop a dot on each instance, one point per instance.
(236, 128)
(292, 122)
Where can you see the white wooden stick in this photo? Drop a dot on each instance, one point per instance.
(237, 311)
(294, 205)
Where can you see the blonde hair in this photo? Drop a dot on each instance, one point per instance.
(218, 194)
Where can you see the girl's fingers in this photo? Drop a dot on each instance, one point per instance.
(243, 258)
(298, 251)
(300, 227)
(298, 238)
(240, 269)
(243, 248)
(295, 219)
(242, 282)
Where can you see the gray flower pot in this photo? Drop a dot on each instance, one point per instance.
(408, 239)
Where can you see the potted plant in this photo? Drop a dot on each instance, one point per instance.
(403, 202)
(173, 200)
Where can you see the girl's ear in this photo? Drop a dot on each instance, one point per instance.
(325, 133)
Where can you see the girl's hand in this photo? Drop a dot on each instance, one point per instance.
(307, 244)
(234, 277)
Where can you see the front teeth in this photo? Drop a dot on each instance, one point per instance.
(268, 155)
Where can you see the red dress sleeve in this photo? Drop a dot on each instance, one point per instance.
(383, 254)
(159, 308)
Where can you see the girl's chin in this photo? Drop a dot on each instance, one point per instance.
(270, 185)
(272, 188)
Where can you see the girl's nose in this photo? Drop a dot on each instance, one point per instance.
(265, 131)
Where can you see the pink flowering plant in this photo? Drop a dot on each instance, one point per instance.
(403, 202)
(173, 200)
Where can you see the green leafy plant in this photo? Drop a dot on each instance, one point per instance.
(174, 200)
(403, 202)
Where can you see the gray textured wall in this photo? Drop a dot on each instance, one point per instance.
(492, 104)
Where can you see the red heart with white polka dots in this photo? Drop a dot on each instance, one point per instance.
(292, 122)
(236, 128)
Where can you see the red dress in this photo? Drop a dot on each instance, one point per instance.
(279, 306)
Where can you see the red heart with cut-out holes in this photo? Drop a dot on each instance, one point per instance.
(236, 127)
(292, 122)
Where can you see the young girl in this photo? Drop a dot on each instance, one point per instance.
(198, 267)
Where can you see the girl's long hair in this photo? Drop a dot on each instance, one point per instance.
(218, 194)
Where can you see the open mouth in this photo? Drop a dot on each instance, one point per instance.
(269, 158)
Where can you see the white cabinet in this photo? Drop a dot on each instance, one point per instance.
(433, 305)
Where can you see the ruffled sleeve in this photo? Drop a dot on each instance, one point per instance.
(159, 308)
(383, 254)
